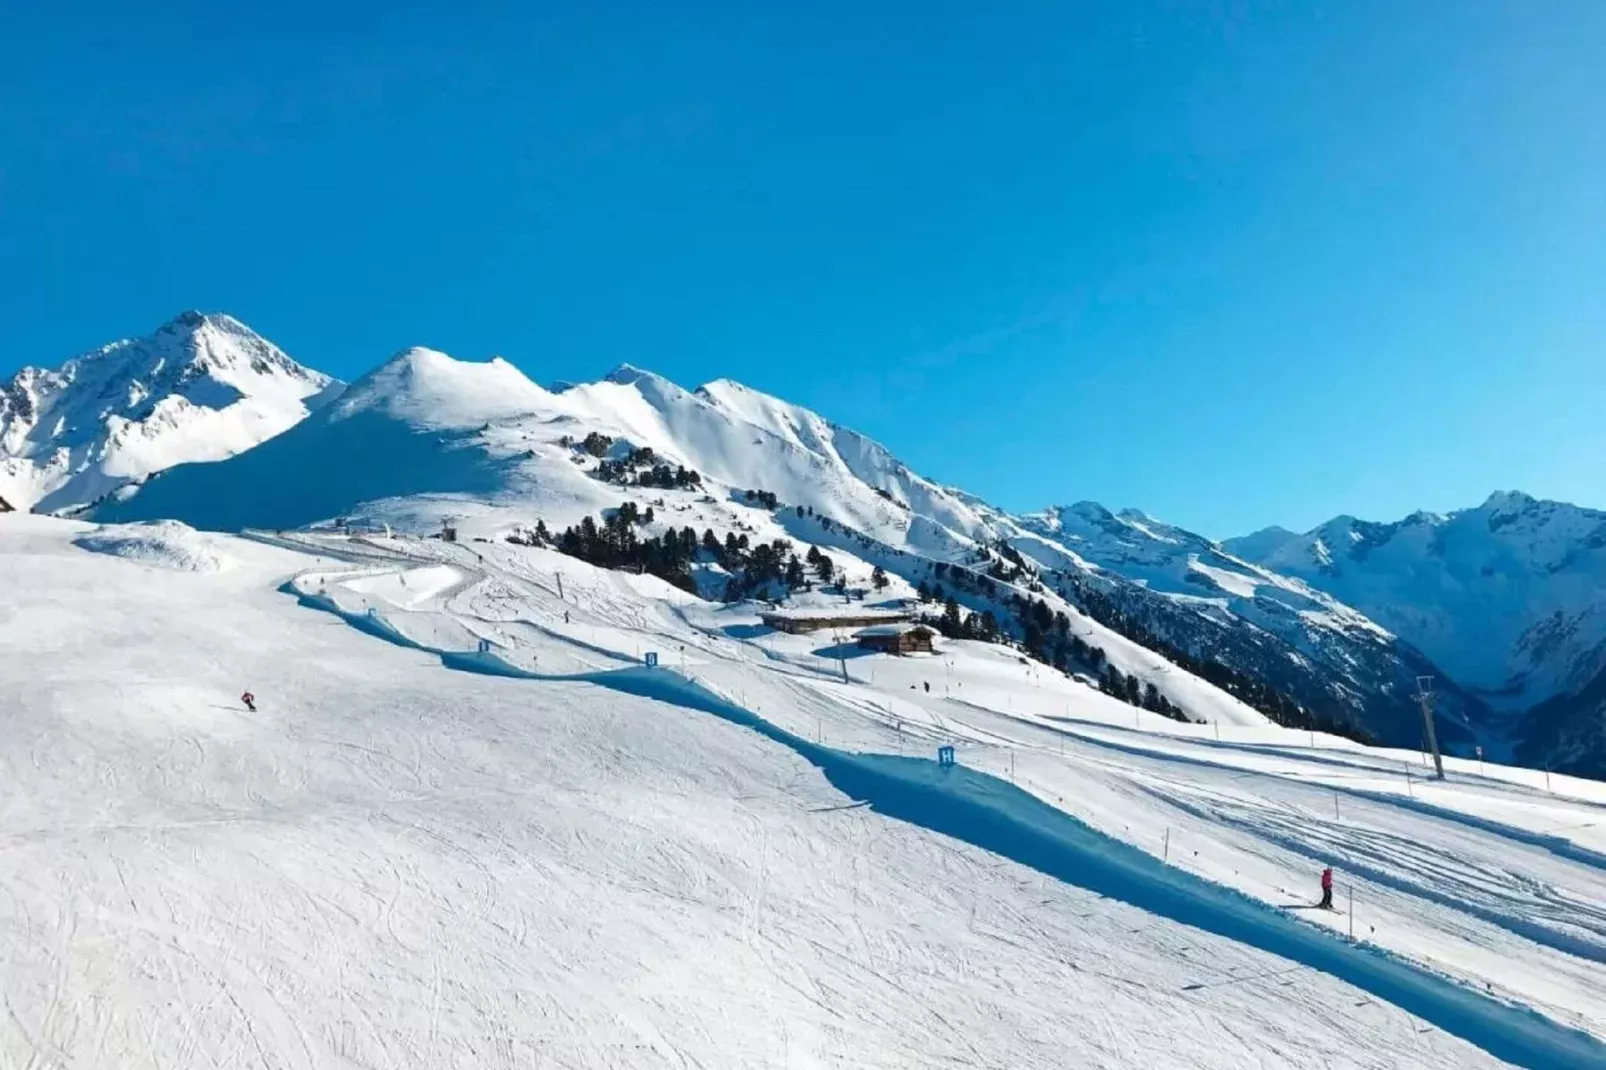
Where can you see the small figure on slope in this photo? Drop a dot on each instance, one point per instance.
(250, 701)
(1327, 889)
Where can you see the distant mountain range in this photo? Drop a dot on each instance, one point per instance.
(207, 422)
(1508, 599)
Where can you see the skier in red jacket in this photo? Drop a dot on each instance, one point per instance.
(1327, 888)
(250, 701)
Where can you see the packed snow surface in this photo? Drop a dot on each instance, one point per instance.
(465, 827)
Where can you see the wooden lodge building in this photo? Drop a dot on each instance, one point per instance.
(896, 638)
(803, 621)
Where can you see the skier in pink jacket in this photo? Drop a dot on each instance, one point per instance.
(1327, 888)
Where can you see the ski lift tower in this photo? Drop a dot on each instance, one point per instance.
(1424, 695)
(449, 529)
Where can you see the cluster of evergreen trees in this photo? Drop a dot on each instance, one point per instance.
(627, 470)
(761, 567)
(1045, 635)
(823, 566)
(677, 478)
(615, 544)
(886, 494)
(1134, 692)
(1012, 567)
(956, 623)
(763, 498)
(596, 443)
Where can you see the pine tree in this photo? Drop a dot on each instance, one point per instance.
(1033, 642)
(923, 592)
(795, 576)
(878, 578)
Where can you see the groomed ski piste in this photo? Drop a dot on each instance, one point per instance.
(467, 826)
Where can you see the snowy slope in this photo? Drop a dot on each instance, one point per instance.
(559, 859)
(201, 388)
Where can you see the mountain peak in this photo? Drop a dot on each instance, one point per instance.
(429, 388)
(721, 387)
(1089, 510)
(1507, 499)
(1261, 546)
(628, 374)
(191, 320)
(201, 387)
(650, 385)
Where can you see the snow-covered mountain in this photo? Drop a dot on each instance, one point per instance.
(1497, 603)
(201, 388)
(1196, 594)
(1508, 598)
(427, 438)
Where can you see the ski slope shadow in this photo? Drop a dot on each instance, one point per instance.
(998, 817)
(368, 623)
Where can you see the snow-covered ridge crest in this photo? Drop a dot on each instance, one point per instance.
(202, 387)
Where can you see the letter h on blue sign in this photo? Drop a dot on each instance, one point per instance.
(945, 756)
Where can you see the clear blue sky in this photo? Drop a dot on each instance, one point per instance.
(1232, 263)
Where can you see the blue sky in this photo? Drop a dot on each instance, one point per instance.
(1234, 264)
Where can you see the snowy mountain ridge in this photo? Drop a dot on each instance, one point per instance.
(426, 437)
(200, 388)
